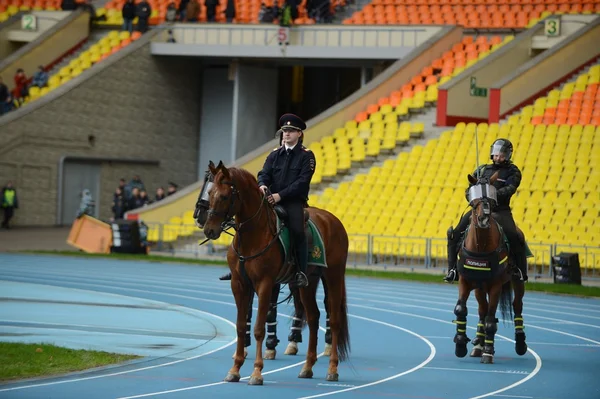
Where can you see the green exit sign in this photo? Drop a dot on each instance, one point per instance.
(475, 91)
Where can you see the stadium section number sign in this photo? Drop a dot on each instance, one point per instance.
(477, 91)
(283, 35)
(552, 27)
(29, 22)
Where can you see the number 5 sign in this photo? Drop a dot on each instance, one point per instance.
(283, 36)
(29, 22)
(552, 27)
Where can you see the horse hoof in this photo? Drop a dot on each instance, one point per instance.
(305, 374)
(270, 354)
(232, 377)
(476, 352)
(332, 377)
(461, 350)
(487, 359)
(521, 348)
(327, 351)
(255, 381)
(291, 349)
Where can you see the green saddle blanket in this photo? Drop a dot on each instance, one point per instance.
(316, 249)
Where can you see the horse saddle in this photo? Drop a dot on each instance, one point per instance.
(314, 240)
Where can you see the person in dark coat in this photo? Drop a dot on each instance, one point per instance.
(143, 13)
(286, 177)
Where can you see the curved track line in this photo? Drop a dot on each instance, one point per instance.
(421, 365)
(71, 380)
(538, 359)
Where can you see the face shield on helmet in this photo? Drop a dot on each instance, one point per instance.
(501, 147)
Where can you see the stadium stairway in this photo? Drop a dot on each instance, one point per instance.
(93, 38)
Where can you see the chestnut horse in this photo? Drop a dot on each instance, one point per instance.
(256, 265)
(485, 266)
(295, 336)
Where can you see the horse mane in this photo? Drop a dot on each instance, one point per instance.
(242, 177)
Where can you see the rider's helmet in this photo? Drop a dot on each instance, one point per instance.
(501, 146)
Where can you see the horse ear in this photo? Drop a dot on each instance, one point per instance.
(225, 171)
(494, 178)
(472, 179)
(211, 167)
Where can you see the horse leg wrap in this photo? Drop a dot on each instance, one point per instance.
(296, 330)
(460, 310)
(480, 334)
(491, 326)
(519, 328)
(327, 332)
(248, 337)
(272, 340)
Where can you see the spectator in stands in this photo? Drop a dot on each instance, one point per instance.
(144, 199)
(211, 9)
(134, 201)
(118, 205)
(9, 202)
(143, 13)
(285, 20)
(128, 13)
(172, 189)
(171, 15)
(192, 10)
(136, 182)
(160, 194)
(230, 11)
(87, 204)
(40, 79)
(68, 5)
(4, 98)
(20, 90)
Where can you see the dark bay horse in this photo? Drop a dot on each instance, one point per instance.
(485, 265)
(257, 262)
(295, 336)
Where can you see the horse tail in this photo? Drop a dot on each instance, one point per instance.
(344, 335)
(506, 301)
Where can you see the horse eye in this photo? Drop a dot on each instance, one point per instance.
(224, 197)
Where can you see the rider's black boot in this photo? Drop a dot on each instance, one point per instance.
(225, 277)
(452, 274)
(302, 256)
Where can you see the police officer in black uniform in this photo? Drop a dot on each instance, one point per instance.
(286, 174)
(509, 179)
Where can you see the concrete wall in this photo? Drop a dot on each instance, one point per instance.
(309, 41)
(532, 78)
(324, 124)
(73, 29)
(8, 47)
(136, 105)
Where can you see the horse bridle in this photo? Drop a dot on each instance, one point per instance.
(229, 222)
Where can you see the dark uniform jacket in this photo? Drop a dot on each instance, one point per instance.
(509, 179)
(290, 178)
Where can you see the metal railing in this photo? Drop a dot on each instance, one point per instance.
(312, 35)
(378, 251)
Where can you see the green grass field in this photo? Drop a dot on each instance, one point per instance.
(19, 361)
(566, 289)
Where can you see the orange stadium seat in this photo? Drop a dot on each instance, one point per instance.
(469, 13)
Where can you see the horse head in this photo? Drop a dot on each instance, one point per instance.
(200, 213)
(221, 197)
(482, 198)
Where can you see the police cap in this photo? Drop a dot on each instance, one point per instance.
(293, 121)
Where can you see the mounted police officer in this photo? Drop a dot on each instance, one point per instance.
(285, 177)
(509, 179)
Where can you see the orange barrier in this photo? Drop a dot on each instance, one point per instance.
(90, 235)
